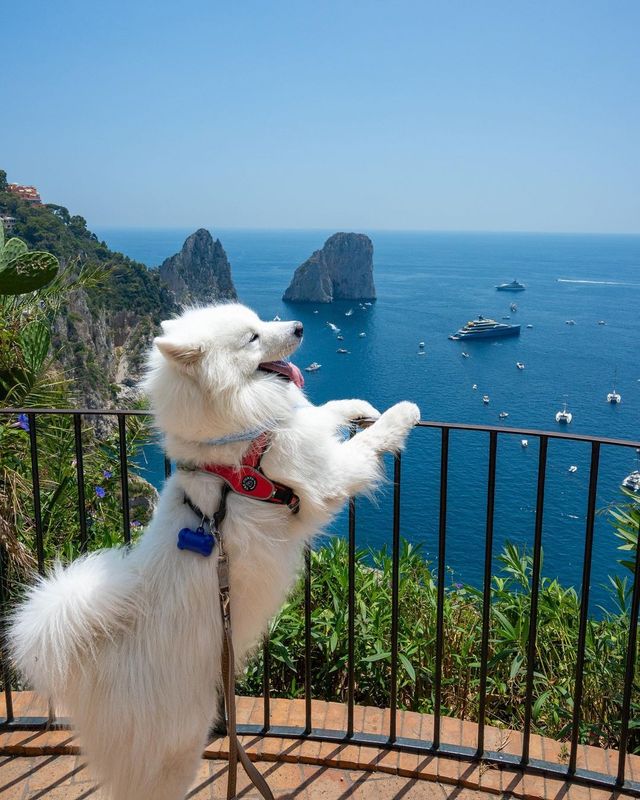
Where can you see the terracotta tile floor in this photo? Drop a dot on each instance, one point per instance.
(47, 764)
(65, 778)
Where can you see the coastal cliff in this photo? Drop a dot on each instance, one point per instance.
(101, 333)
(341, 270)
(200, 272)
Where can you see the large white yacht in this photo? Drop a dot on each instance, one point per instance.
(484, 328)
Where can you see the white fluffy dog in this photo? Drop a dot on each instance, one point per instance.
(128, 643)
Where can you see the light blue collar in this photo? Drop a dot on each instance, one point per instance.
(242, 436)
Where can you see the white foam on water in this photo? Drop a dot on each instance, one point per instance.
(596, 283)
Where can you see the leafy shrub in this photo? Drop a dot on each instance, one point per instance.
(554, 675)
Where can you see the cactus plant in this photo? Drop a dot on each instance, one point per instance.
(21, 271)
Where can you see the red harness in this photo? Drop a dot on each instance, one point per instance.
(249, 480)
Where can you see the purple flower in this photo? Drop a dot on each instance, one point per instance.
(100, 492)
(106, 473)
(458, 585)
(23, 422)
(136, 524)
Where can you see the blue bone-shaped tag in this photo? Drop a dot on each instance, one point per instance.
(197, 541)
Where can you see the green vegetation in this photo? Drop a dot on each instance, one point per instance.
(117, 311)
(126, 285)
(22, 271)
(30, 378)
(558, 618)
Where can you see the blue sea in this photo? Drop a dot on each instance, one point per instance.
(428, 285)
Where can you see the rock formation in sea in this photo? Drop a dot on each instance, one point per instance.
(342, 270)
(200, 272)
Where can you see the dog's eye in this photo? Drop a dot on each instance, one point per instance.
(254, 338)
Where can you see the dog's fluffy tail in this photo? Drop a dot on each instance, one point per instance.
(64, 617)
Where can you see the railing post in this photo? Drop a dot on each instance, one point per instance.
(35, 486)
(124, 477)
(351, 632)
(584, 605)
(82, 508)
(6, 669)
(442, 533)
(629, 667)
(266, 684)
(486, 595)
(307, 640)
(395, 599)
(535, 589)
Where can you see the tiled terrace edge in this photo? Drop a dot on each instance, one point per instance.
(276, 746)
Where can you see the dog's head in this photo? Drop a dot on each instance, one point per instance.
(211, 372)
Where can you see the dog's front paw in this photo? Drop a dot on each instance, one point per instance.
(394, 425)
(361, 409)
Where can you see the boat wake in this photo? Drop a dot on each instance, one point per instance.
(596, 283)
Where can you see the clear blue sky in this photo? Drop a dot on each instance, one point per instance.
(457, 115)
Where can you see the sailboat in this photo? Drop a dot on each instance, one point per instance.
(564, 417)
(613, 396)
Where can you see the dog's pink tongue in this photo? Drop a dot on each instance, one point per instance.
(285, 368)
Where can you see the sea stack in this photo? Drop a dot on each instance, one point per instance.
(342, 270)
(200, 272)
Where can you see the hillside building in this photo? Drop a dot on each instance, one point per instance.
(7, 222)
(28, 193)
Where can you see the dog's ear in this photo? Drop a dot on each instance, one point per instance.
(182, 354)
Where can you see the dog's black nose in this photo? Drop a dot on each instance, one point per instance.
(298, 330)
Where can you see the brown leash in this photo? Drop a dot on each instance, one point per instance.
(236, 750)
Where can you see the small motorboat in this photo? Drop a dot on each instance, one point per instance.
(524, 442)
(573, 468)
(519, 365)
(601, 322)
(348, 313)
(341, 350)
(315, 312)
(503, 414)
(313, 367)
(513, 307)
(276, 318)
(569, 322)
(514, 286)
(367, 304)
(333, 327)
(475, 386)
(485, 399)
(564, 417)
(340, 337)
(465, 355)
(362, 335)
(506, 316)
(421, 345)
(632, 482)
(422, 352)
(529, 326)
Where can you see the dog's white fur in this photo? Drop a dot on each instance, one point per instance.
(129, 643)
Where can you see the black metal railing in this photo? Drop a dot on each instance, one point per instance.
(391, 740)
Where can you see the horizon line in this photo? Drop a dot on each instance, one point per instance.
(492, 231)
